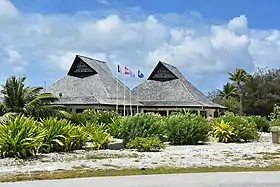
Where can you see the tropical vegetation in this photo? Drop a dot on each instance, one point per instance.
(32, 123)
(28, 100)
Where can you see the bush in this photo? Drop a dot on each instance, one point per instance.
(275, 114)
(79, 118)
(20, 137)
(223, 131)
(149, 144)
(187, 129)
(244, 129)
(115, 127)
(97, 134)
(261, 122)
(94, 117)
(143, 125)
(61, 135)
(274, 123)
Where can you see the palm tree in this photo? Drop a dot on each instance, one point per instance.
(229, 90)
(28, 100)
(239, 76)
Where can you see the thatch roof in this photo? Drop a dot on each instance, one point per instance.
(90, 81)
(167, 87)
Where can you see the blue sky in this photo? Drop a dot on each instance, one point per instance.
(205, 39)
(261, 13)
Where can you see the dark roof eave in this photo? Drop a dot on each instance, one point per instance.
(179, 106)
(106, 104)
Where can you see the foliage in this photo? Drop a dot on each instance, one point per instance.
(260, 92)
(20, 137)
(143, 125)
(27, 100)
(275, 114)
(261, 122)
(187, 129)
(148, 144)
(231, 103)
(98, 135)
(244, 129)
(186, 111)
(79, 118)
(98, 117)
(61, 135)
(239, 77)
(223, 131)
(115, 127)
(274, 123)
(95, 117)
(228, 91)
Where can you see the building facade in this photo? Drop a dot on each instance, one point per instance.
(89, 84)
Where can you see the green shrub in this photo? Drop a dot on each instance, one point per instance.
(94, 117)
(97, 134)
(187, 129)
(148, 144)
(261, 122)
(244, 129)
(143, 125)
(275, 122)
(115, 127)
(77, 138)
(223, 131)
(275, 114)
(20, 137)
(61, 135)
(100, 117)
(79, 118)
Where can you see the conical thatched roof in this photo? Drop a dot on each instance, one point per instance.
(167, 87)
(90, 81)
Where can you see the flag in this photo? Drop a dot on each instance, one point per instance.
(126, 70)
(119, 69)
(132, 74)
(140, 75)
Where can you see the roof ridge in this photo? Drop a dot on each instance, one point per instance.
(165, 63)
(91, 58)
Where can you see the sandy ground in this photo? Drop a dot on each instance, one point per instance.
(260, 153)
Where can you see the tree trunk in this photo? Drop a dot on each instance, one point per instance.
(241, 104)
(240, 100)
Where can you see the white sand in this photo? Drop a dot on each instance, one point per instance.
(212, 154)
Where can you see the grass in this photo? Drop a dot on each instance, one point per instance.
(104, 156)
(83, 172)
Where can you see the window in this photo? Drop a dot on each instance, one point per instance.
(79, 110)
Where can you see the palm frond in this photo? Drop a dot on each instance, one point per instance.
(7, 116)
(31, 92)
(28, 100)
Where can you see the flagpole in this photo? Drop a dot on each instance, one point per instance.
(124, 94)
(117, 110)
(130, 98)
(137, 102)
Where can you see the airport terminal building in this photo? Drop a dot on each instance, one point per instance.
(90, 83)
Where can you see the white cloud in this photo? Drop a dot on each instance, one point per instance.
(202, 52)
(7, 10)
(238, 24)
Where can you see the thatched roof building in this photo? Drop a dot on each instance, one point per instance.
(167, 87)
(90, 82)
